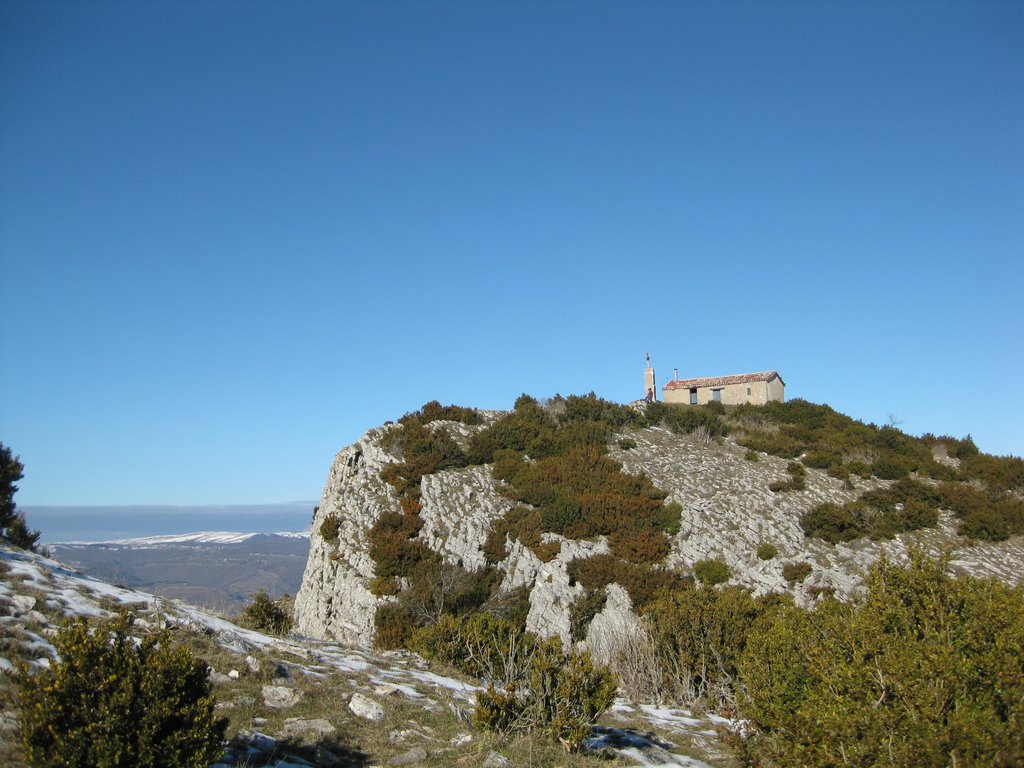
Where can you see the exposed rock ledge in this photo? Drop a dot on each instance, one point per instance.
(727, 512)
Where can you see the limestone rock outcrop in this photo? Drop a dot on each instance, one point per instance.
(728, 511)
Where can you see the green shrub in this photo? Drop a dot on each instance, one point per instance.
(777, 444)
(891, 466)
(563, 696)
(821, 459)
(796, 571)
(998, 473)
(797, 479)
(581, 493)
(385, 586)
(265, 615)
(833, 523)
(330, 527)
(841, 472)
(594, 572)
(767, 551)
(697, 637)
(984, 514)
(112, 700)
(881, 513)
(481, 645)
(528, 429)
(393, 546)
(752, 455)
(592, 408)
(711, 572)
(642, 581)
(627, 444)
(434, 411)
(583, 610)
(716, 407)
(541, 687)
(394, 623)
(926, 670)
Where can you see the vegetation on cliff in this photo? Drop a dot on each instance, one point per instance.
(711, 644)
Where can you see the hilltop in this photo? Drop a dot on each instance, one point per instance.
(576, 510)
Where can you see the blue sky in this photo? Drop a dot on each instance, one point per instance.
(234, 236)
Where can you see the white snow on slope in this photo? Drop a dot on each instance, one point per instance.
(74, 594)
(199, 537)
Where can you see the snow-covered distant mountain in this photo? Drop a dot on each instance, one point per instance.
(214, 569)
(107, 523)
(200, 537)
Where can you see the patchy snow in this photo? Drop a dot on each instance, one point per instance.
(199, 537)
(670, 717)
(642, 758)
(69, 593)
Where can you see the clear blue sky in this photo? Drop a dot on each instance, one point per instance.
(236, 235)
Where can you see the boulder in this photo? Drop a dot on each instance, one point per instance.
(365, 707)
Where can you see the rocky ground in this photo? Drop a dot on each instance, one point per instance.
(728, 511)
(298, 702)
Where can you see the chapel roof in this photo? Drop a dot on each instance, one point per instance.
(721, 381)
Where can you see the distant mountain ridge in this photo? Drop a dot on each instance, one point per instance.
(220, 570)
(79, 523)
(199, 537)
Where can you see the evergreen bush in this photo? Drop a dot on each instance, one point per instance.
(329, 528)
(265, 615)
(796, 571)
(926, 670)
(112, 700)
(711, 572)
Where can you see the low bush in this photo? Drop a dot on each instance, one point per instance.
(627, 444)
(797, 479)
(998, 473)
(393, 546)
(711, 572)
(926, 670)
(983, 514)
(642, 581)
(796, 571)
(583, 610)
(266, 615)
(393, 624)
(881, 513)
(777, 444)
(434, 411)
(330, 528)
(716, 407)
(533, 685)
(892, 466)
(767, 551)
(696, 639)
(833, 522)
(580, 494)
(111, 700)
(563, 696)
(821, 459)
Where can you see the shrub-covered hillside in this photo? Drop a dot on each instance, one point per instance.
(664, 541)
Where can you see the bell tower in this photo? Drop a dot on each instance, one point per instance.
(650, 385)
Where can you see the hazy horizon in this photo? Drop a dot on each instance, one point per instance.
(91, 523)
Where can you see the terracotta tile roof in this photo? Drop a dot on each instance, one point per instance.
(721, 381)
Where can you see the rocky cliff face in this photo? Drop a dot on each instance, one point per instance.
(728, 511)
